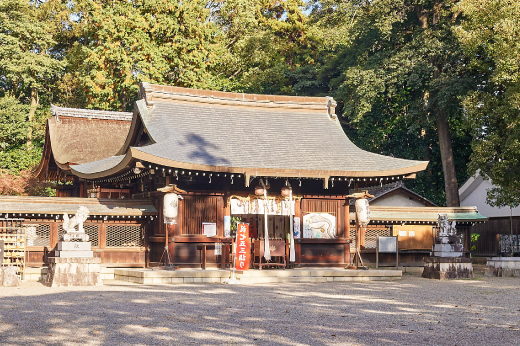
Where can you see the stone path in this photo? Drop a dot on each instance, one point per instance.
(412, 311)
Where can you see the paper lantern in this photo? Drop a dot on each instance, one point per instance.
(171, 205)
(362, 211)
(259, 190)
(286, 191)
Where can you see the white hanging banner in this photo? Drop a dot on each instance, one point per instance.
(292, 255)
(257, 206)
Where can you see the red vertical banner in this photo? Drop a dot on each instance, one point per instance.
(243, 247)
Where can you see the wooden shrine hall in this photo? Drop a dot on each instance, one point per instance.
(282, 164)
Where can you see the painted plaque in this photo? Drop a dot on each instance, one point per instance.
(243, 247)
(319, 225)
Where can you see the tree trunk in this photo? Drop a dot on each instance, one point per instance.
(34, 104)
(451, 185)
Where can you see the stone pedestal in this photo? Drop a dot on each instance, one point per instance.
(447, 250)
(70, 249)
(447, 268)
(503, 266)
(8, 277)
(73, 271)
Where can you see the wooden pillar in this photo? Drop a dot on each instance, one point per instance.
(170, 238)
(220, 216)
(54, 234)
(102, 235)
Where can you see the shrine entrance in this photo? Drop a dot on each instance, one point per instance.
(278, 230)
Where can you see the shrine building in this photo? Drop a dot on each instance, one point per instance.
(220, 151)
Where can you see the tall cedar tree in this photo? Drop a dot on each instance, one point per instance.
(399, 74)
(489, 32)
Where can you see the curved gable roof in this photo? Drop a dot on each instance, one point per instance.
(259, 134)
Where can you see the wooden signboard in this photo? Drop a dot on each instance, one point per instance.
(387, 245)
(243, 247)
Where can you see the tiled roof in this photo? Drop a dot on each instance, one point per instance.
(60, 205)
(379, 191)
(240, 133)
(422, 214)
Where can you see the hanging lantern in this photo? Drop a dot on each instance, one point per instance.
(259, 190)
(170, 207)
(286, 191)
(362, 211)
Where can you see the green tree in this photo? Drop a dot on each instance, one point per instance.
(27, 64)
(489, 32)
(398, 75)
(268, 44)
(120, 43)
(14, 154)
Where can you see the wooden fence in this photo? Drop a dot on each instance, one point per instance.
(488, 244)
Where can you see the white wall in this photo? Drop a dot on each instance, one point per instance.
(477, 198)
(396, 200)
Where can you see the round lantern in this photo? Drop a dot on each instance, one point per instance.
(259, 190)
(171, 205)
(362, 211)
(286, 191)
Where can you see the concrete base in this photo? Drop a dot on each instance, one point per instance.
(73, 272)
(503, 266)
(447, 268)
(253, 276)
(40, 273)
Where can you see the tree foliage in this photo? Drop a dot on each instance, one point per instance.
(266, 43)
(120, 43)
(399, 76)
(410, 76)
(489, 34)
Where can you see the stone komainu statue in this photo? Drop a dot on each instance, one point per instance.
(69, 224)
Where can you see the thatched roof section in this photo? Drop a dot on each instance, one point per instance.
(77, 136)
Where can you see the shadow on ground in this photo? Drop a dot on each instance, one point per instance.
(411, 311)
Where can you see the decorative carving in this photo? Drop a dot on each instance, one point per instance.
(69, 225)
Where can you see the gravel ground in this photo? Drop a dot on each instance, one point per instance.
(412, 311)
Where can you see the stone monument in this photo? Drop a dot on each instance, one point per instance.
(446, 259)
(8, 277)
(74, 263)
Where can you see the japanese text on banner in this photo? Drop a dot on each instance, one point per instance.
(243, 247)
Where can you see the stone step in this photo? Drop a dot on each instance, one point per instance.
(157, 276)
